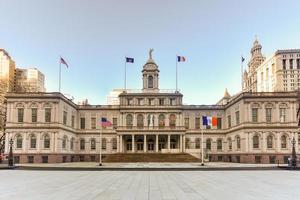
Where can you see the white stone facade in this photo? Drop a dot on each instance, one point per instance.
(252, 127)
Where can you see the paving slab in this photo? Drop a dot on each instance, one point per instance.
(90, 185)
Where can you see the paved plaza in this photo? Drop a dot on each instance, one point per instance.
(31, 185)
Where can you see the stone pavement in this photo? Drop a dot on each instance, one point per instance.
(149, 165)
(156, 185)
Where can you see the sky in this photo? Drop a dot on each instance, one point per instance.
(94, 36)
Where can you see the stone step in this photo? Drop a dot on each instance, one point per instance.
(150, 157)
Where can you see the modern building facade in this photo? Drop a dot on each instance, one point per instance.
(29, 80)
(252, 127)
(7, 71)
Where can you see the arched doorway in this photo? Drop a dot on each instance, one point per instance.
(150, 145)
(173, 144)
(140, 145)
(128, 145)
(161, 144)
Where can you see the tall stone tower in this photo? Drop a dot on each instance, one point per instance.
(250, 76)
(256, 56)
(150, 75)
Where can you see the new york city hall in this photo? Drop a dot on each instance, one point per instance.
(256, 125)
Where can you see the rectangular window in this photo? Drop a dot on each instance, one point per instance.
(129, 102)
(44, 159)
(140, 102)
(30, 159)
(115, 123)
(291, 63)
(65, 118)
(33, 114)
(298, 63)
(73, 121)
(150, 102)
(254, 114)
(161, 102)
(257, 159)
(219, 123)
(282, 114)
(197, 123)
(237, 117)
(82, 123)
(93, 123)
(187, 123)
(20, 114)
(272, 159)
(172, 101)
(47, 114)
(268, 115)
(284, 64)
(229, 121)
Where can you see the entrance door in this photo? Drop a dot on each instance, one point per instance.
(161, 145)
(150, 145)
(129, 145)
(140, 145)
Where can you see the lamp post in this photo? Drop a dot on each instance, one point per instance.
(294, 156)
(10, 155)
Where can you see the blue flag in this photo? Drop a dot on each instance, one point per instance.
(129, 60)
(204, 121)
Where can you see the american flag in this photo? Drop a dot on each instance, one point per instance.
(105, 122)
(62, 61)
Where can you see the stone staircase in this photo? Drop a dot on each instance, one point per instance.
(150, 157)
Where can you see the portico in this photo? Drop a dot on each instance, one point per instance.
(151, 143)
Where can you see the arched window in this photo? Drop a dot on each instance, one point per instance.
(103, 143)
(150, 81)
(32, 141)
(172, 121)
(283, 141)
(129, 120)
(93, 144)
(161, 120)
(197, 143)
(270, 142)
(46, 142)
(229, 143)
(255, 142)
(140, 121)
(114, 144)
(219, 144)
(208, 144)
(19, 142)
(72, 144)
(238, 142)
(64, 142)
(82, 144)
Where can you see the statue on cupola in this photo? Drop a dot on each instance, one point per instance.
(150, 75)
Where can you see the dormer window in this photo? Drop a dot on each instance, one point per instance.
(150, 81)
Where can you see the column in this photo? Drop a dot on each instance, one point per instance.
(121, 143)
(183, 143)
(145, 143)
(169, 139)
(132, 144)
(156, 143)
(118, 144)
(180, 143)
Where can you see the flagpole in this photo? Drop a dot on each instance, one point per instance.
(202, 146)
(100, 150)
(125, 75)
(242, 71)
(59, 86)
(176, 73)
